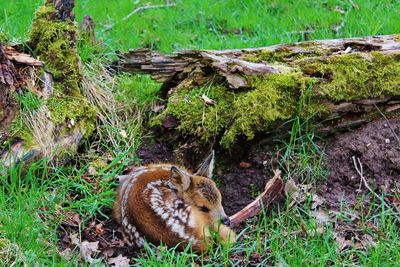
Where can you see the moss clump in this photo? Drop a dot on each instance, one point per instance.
(52, 42)
(236, 113)
(3, 38)
(72, 112)
(205, 122)
(18, 129)
(274, 98)
(353, 76)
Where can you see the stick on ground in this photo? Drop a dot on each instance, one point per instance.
(273, 189)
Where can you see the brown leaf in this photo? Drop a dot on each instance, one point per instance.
(290, 187)
(87, 249)
(157, 108)
(119, 261)
(321, 216)
(367, 241)
(341, 242)
(66, 254)
(244, 165)
(71, 219)
(99, 229)
(92, 170)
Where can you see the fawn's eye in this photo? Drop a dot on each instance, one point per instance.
(204, 209)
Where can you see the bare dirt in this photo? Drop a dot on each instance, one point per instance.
(377, 146)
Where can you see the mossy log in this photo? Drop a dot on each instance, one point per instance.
(49, 116)
(231, 95)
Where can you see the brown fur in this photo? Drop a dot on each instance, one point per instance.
(201, 193)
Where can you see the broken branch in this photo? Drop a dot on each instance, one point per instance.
(273, 189)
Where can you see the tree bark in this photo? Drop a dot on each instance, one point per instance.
(12, 66)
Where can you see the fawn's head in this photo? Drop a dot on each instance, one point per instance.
(199, 191)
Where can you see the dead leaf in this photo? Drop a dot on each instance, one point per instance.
(207, 100)
(123, 133)
(66, 254)
(341, 241)
(99, 229)
(119, 261)
(157, 108)
(92, 170)
(367, 241)
(71, 219)
(244, 165)
(321, 216)
(87, 249)
(290, 188)
(316, 201)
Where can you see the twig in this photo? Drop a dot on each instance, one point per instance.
(359, 168)
(142, 8)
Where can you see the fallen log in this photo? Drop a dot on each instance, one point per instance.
(341, 83)
(273, 190)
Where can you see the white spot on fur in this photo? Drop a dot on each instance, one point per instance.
(166, 204)
(192, 221)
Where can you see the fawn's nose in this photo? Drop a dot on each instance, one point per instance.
(226, 221)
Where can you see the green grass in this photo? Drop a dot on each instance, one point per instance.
(31, 201)
(215, 24)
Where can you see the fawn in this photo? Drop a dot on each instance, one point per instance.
(168, 204)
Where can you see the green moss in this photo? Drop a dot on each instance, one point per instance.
(73, 112)
(195, 117)
(52, 42)
(19, 130)
(352, 76)
(236, 113)
(274, 98)
(3, 38)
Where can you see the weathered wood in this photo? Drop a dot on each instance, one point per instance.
(64, 9)
(346, 104)
(231, 65)
(12, 63)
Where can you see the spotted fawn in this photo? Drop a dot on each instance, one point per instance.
(163, 203)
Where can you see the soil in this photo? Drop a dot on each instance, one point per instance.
(377, 146)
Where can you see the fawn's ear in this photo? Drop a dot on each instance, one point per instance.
(207, 167)
(179, 178)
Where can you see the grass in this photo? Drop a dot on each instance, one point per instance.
(33, 201)
(301, 155)
(215, 24)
